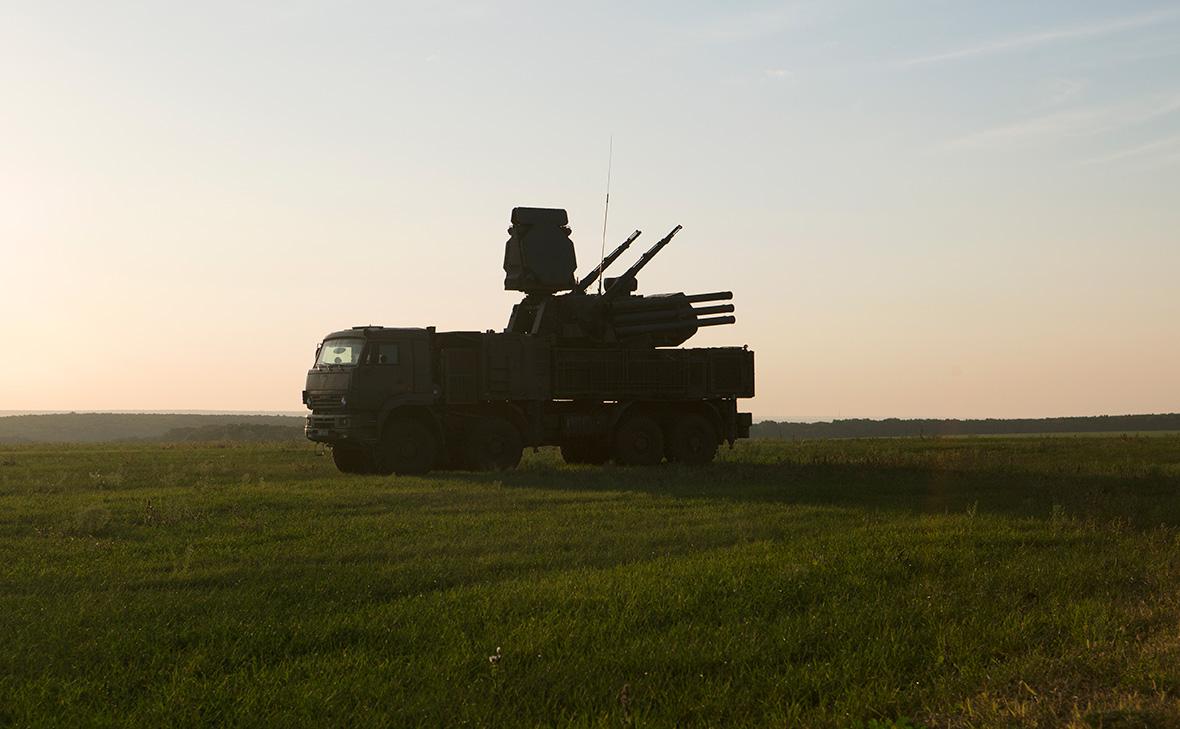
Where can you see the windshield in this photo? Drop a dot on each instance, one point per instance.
(340, 352)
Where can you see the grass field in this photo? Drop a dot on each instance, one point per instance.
(952, 582)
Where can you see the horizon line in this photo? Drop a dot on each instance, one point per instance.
(757, 418)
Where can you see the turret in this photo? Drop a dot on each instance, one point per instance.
(539, 260)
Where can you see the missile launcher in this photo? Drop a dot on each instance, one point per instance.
(586, 364)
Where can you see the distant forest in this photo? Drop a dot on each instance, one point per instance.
(894, 427)
(105, 427)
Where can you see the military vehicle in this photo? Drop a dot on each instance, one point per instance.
(598, 374)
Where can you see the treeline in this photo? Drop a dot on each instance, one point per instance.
(895, 427)
(248, 432)
(101, 427)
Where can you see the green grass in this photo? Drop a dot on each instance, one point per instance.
(874, 583)
(1082, 434)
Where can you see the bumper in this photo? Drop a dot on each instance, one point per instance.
(340, 428)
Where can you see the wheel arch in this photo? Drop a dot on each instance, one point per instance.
(457, 418)
(666, 413)
(415, 411)
(514, 414)
(706, 409)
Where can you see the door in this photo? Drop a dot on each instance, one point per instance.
(386, 370)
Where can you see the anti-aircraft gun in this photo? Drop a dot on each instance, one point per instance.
(598, 374)
(539, 260)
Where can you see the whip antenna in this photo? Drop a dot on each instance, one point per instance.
(610, 154)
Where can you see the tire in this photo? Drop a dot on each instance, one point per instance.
(407, 447)
(585, 452)
(350, 459)
(492, 444)
(638, 441)
(693, 440)
(451, 458)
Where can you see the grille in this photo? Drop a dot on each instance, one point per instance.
(323, 402)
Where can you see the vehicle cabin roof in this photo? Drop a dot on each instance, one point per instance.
(372, 331)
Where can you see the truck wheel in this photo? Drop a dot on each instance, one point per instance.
(584, 452)
(492, 444)
(451, 458)
(693, 440)
(638, 442)
(350, 459)
(407, 447)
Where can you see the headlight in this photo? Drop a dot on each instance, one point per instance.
(343, 402)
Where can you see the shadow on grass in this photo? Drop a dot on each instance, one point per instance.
(1139, 500)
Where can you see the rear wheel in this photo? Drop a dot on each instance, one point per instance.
(585, 452)
(451, 457)
(407, 447)
(638, 441)
(492, 444)
(692, 440)
(351, 459)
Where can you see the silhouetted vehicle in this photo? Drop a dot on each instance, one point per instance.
(597, 374)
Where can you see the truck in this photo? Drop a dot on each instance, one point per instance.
(601, 375)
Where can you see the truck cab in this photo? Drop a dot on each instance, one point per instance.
(359, 376)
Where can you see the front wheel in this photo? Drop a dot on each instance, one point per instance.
(350, 459)
(407, 447)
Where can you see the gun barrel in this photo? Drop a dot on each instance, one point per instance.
(618, 288)
(716, 321)
(655, 302)
(668, 314)
(671, 326)
(713, 296)
(614, 255)
(720, 309)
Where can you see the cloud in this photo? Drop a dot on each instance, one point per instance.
(777, 73)
(1054, 35)
(1071, 123)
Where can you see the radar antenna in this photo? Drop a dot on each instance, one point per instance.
(610, 154)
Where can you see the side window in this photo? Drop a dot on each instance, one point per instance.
(384, 353)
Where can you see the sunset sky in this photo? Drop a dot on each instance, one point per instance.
(925, 209)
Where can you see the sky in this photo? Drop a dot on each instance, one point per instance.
(932, 208)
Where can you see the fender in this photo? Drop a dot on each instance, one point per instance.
(514, 414)
(714, 416)
(417, 405)
(619, 412)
